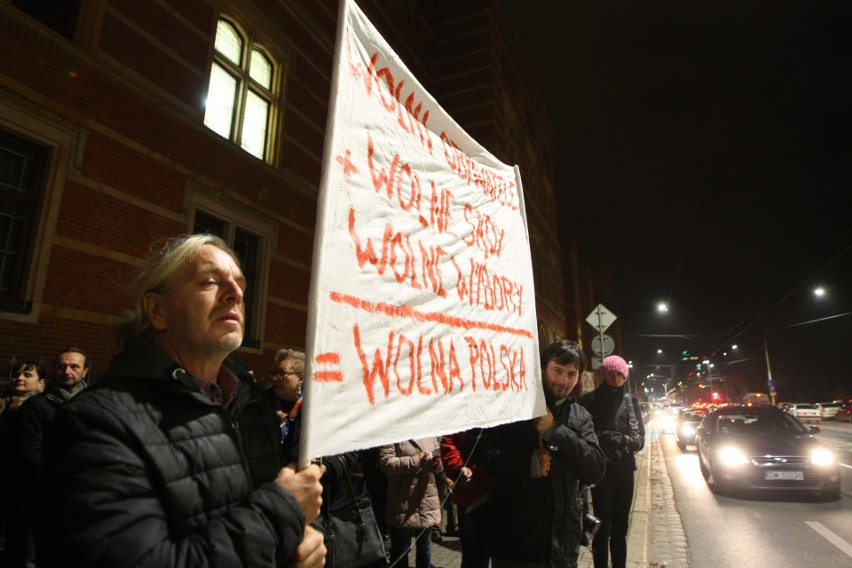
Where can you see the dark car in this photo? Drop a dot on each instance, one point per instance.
(764, 448)
(687, 423)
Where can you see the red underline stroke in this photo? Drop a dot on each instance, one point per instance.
(409, 312)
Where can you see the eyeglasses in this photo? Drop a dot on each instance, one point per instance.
(283, 373)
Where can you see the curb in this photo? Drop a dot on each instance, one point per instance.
(639, 534)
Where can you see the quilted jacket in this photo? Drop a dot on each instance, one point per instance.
(142, 469)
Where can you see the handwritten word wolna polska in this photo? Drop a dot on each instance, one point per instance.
(490, 184)
(492, 367)
(381, 83)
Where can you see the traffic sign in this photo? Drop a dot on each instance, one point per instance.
(596, 363)
(601, 318)
(603, 345)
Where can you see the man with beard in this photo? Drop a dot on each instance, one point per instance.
(537, 467)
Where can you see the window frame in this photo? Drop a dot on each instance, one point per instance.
(235, 215)
(245, 84)
(65, 148)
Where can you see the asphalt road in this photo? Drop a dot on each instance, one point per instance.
(764, 531)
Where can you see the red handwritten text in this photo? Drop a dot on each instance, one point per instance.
(491, 185)
(390, 94)
(400, 366)
(419, 267)
(485, 234)
(490, 291)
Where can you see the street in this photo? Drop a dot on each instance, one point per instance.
(761, 531)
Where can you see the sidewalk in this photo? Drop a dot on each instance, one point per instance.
(652, 545)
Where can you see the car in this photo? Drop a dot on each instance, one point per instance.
(754, 448)
(755, 399)
(805, 411)
(844, 414)
(687, 422)
(829, 409)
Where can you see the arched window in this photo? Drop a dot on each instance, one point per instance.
(240, 96)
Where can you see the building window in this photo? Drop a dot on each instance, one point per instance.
(22, 167)
(240, 95)
(58, 15)
(249, 249)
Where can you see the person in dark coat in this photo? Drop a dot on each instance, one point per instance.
(537, 467)
(169, 460)
(620, 440)
(23, 415)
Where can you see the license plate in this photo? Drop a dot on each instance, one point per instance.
(786, 475)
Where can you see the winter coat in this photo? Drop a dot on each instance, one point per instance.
(21, 426)
(538, 519)
(143, 469)
(612, 425)
(412, 496)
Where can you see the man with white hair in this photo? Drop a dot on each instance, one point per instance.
(169, 460)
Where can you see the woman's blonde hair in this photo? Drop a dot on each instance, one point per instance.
(156, 272)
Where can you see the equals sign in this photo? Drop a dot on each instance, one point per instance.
(327, 368)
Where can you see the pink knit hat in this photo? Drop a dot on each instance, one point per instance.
(616, 364)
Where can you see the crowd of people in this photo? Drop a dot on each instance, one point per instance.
(179, 456)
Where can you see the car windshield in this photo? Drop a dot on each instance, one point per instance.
(758, 423)
(806, 406)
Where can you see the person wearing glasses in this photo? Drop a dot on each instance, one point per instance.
(287, 380)
(288, 377)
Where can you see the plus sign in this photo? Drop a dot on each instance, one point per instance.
(348, 166)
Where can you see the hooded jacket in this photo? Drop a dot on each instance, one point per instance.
(143, 469)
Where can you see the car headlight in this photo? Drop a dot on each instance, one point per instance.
(687, 430)
(822, 456)
(732, 456)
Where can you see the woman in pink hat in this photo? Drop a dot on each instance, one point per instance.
(618, 424)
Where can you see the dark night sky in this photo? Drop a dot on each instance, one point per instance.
(704, 152)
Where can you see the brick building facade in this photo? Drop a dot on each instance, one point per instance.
(107, 145)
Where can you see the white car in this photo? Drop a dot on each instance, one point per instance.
(829, 409)
(805, 411)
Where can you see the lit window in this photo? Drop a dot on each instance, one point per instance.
(240, 94)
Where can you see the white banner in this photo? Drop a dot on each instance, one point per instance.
(422, 317)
